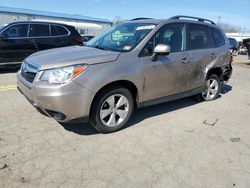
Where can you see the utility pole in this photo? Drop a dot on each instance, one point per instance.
(219, 19)
(243, 32)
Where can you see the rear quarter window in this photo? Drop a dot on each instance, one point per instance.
(57, 30)
(218, 38)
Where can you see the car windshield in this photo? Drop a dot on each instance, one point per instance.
(233, 42)
(122, 37)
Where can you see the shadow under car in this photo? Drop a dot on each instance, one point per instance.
(143, 113)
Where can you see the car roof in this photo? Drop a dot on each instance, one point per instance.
(38, 22)
(187, 19)
(149, 21)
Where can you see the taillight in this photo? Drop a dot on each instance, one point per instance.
(79, 40)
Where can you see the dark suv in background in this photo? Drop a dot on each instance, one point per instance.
(233, 45)
(86, 38)
(20, 39)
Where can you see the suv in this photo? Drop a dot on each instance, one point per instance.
(86, 38)
(132, 65)
(233, 45)
(20, 39)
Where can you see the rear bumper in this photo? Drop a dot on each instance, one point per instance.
(227, 72)
(64, 103)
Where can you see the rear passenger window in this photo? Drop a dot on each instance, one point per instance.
(57, 30)
(198, 37)
(39, 30)
(218, 38)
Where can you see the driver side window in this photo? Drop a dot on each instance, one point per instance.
(173, 35)
(17, 31)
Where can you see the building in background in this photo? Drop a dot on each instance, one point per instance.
(238, 36)
(84, 24)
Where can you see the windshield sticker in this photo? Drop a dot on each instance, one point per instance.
(145, 27)
(126, 47)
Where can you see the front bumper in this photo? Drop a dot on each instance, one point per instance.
(64, 103)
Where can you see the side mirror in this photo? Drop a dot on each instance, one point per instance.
(3, 37)
(161, 49)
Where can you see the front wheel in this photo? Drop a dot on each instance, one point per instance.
(112, 109)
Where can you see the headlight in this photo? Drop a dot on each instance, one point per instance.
(62, 75)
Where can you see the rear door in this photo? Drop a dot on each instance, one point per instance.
(202, 53)
(17, 45)
(39, 34)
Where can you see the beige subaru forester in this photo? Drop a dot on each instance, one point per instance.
(134, 64)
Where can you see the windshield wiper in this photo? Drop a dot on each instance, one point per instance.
(98, 47)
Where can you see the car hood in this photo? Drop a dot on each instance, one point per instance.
(72, 55)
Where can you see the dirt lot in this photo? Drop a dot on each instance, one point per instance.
(177, 144)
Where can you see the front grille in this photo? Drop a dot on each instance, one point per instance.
(29, 71)
(29, 76)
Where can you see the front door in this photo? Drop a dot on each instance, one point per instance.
(16, 46)
(170, 74)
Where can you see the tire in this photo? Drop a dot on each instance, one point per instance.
(212, 90)
(111, 109)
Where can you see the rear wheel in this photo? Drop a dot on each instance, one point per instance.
(212, 89)
(112, 109)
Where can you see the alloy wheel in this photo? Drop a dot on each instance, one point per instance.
(114, 110)
(212, 87)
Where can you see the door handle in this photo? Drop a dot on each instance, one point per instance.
(185, 61)
(35, 44)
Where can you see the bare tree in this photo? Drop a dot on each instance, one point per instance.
(228, 28)
(118, 19)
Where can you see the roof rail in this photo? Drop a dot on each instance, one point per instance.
(140, 19)
(192, 17)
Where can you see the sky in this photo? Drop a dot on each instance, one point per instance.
(234, 12)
